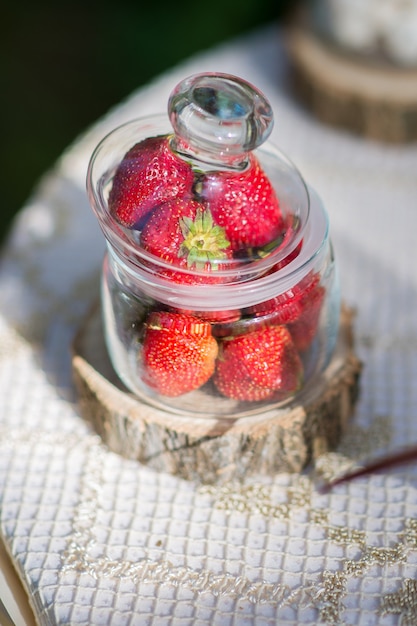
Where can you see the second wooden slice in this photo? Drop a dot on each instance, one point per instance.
(375, 100)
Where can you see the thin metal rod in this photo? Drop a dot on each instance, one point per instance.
(400, 458)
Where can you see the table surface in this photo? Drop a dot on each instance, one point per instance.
(96, 539)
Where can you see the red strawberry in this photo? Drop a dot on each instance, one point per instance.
(178, 354)
(217, 318)
(290, 257)
(304, 328)
(290, 305)
(262, 364)
(245, 204)
(149, 173)
(228, 316)
(239, 386)
(182, 233)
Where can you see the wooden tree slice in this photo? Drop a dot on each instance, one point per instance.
(373, 99)
(215, 450)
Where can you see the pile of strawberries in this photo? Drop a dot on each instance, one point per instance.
(205, 220)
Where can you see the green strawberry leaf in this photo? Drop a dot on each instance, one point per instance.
(204, 242)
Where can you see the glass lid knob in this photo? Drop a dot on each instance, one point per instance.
(219, 117)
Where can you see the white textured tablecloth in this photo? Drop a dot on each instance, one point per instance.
(100, 540)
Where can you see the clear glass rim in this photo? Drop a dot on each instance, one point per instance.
(230, 296)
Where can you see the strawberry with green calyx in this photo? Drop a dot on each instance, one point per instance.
(150, 173)
(259, 365)
(205, 242)
(182, 232)
(245, 204)
(178, 353)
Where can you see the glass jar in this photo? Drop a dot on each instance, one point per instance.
(219, 286)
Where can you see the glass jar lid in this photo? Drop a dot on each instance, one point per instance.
(205, 198)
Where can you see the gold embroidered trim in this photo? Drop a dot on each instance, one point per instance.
(403, 603)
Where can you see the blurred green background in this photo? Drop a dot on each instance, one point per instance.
(64, 64)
